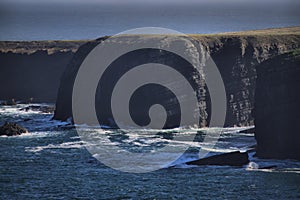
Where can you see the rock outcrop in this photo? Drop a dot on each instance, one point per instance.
(235, 54)
(277, 107)
(235, 158)
(12, 129)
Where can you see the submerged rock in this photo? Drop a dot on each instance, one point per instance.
(277, 106)
(11, 102)
(249, 130)
(42, 109)
(11, 129)
(235, 158)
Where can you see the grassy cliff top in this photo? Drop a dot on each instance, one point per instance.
(51, 46)
(296, 53)
(263, 32)
(262, 36)
(256, 37)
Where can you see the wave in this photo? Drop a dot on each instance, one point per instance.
(65, 145)
(40, 125)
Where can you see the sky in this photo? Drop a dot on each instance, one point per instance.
(57, 19)
(151, 1)
(13, 3)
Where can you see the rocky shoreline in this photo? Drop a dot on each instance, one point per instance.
(45, 72)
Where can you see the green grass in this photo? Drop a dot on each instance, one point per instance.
(265, 32)
(296, 53)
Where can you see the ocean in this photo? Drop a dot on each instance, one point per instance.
(51, 162)
(66, 21)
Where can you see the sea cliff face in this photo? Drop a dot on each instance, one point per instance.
(45, 70)
(277, 107)
(32, 70)
(63, 109)
(236, 58)
(145, 98)
(235, 55)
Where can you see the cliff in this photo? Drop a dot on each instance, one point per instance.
(33, 69)
(235, 54)
(277, 107)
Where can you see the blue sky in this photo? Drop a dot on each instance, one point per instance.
(153, 1)
(38, 19)
(290, 3)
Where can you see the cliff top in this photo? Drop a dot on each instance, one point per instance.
(51, 46)
(296, 53)
(256, 37)
(30, 47)
(263, 32)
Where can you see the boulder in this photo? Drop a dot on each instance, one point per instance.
(11, 129)
(235, 158)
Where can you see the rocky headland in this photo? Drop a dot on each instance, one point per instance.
(235, 54)
(260, 70)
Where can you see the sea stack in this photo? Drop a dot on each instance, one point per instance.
(277, 106)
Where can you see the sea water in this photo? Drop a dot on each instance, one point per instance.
(51, 161)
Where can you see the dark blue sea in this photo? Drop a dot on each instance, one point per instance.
(67, 21)
(51, 162)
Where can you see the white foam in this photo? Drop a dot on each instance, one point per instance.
(66, 145)
(252, 166)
